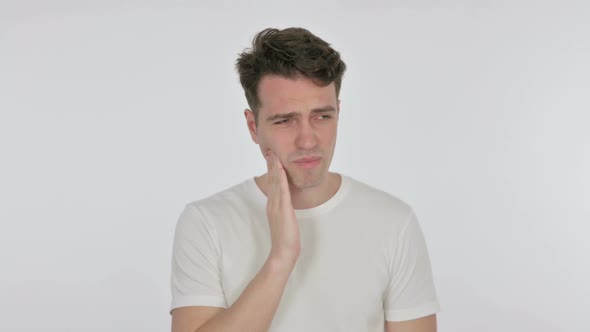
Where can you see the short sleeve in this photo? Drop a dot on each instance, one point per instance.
(196, 276)
(411, 292)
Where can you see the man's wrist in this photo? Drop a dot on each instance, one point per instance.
(280, 264)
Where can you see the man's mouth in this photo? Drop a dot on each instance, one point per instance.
(308, 162)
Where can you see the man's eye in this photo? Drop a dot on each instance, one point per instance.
(283, 121)
(328, 116)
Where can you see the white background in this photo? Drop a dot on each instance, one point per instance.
(114, 114)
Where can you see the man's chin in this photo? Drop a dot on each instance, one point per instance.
(305, 180)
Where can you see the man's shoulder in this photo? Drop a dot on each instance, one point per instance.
(232, 196)
(375, 197)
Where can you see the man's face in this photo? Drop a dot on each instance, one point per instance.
(297, 119)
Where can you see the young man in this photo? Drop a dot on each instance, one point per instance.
(299, 248)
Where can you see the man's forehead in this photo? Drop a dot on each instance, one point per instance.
(278, 91)
(299, 108)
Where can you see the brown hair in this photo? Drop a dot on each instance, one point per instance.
(290, 53)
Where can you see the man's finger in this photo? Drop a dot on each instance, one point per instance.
(268, 163)
(281, 185)
(274, 184)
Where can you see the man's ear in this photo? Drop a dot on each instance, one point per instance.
(250, 121)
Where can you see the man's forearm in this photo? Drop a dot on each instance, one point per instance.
(254, 310)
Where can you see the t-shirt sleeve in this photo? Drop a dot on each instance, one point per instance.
(196, 275)
(411, 292)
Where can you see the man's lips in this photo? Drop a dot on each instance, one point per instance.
(307, 160)
(308, 163)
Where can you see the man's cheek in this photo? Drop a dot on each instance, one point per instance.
(268, 146)
(267, 149)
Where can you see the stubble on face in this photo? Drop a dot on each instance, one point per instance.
(301, 179)
(288, 94)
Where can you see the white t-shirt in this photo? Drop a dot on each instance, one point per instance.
(363, 258)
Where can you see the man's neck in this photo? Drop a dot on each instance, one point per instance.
(307, 198)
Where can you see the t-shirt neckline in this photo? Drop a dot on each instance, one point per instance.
(325, 207)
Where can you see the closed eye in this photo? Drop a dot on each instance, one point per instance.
(283, 121)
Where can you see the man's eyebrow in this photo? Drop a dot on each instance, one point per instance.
(294, 114)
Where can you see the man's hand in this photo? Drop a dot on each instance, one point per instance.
(284, 229)
(256, 307)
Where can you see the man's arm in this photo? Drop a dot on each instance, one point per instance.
(423, 324)
(253, 311)
(255, 308)
(411, 291)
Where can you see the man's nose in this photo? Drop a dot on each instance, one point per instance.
(306, 136)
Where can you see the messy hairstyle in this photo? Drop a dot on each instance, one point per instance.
(290, 53)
